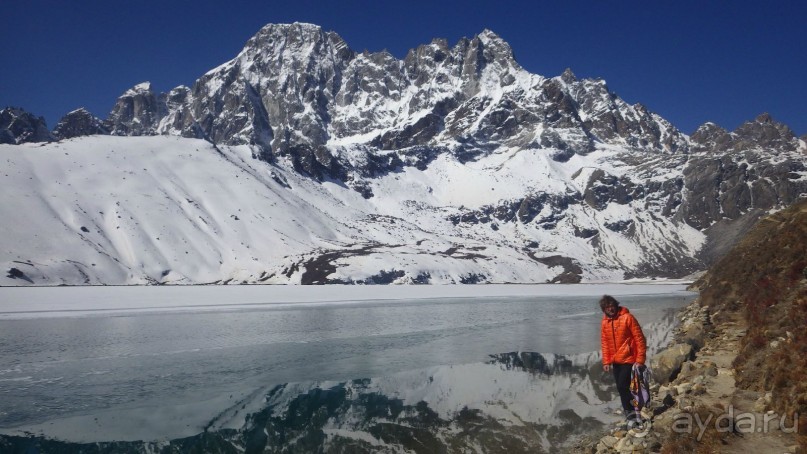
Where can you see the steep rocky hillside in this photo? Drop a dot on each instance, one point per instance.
(733, 378)
(764, 279)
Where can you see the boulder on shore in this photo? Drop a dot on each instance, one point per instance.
(667, 363)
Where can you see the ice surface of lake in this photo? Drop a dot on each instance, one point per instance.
(159, 363)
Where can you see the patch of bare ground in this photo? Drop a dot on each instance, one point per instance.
(711, 414)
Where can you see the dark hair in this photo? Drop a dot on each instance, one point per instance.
(608, 300)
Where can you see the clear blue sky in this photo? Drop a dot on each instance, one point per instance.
(689, 61)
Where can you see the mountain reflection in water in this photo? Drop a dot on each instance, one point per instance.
(514, 402)
(517, 402)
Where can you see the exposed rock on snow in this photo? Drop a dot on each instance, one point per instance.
(78, 123)
(18, 126)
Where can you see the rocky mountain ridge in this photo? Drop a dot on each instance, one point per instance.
(300, 99)
(18, 126)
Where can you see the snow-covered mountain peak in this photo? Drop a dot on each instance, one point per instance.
(141, 88)
(137, 112)
(495, 43)
(710, 136)
(280, 39)
(766, 121)
(79, 111)
(453, 164)
(295, 89)
(761, 133)
(709, 126)
(568, 76)
(79, 122)
(488, 51)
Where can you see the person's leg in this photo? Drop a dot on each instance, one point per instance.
(622, 378)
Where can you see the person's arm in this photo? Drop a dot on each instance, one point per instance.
(638, 340)
(607, 352)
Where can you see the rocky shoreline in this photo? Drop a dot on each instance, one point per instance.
(695, 405)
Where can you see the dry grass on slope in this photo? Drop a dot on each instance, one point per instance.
(764, 278)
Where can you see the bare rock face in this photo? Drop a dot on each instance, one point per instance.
(78, 123)
(764, 132)
(761, 133)
(18, 126)
(711, 138)
(275, 93)
(736, 172)
(137, 112)
(603, 189)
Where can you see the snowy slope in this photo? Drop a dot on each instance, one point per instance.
(152, 209)
(139, 210)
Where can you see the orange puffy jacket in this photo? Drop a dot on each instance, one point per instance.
(622, 339)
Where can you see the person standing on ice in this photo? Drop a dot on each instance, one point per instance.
(623, 347)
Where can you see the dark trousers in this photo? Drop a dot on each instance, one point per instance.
(622, 378)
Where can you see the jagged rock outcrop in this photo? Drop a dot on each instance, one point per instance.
(137, 112)
(761, 133)
(78, 123)
(18, 126)
(710, 137)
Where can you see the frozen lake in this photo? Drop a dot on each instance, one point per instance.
(162, 363)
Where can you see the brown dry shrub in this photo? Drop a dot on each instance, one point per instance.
(788, 363)
(801, 433)
(710, 442)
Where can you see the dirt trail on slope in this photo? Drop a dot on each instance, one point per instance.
(728, 404)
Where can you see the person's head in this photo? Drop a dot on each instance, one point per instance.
(609, 305)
